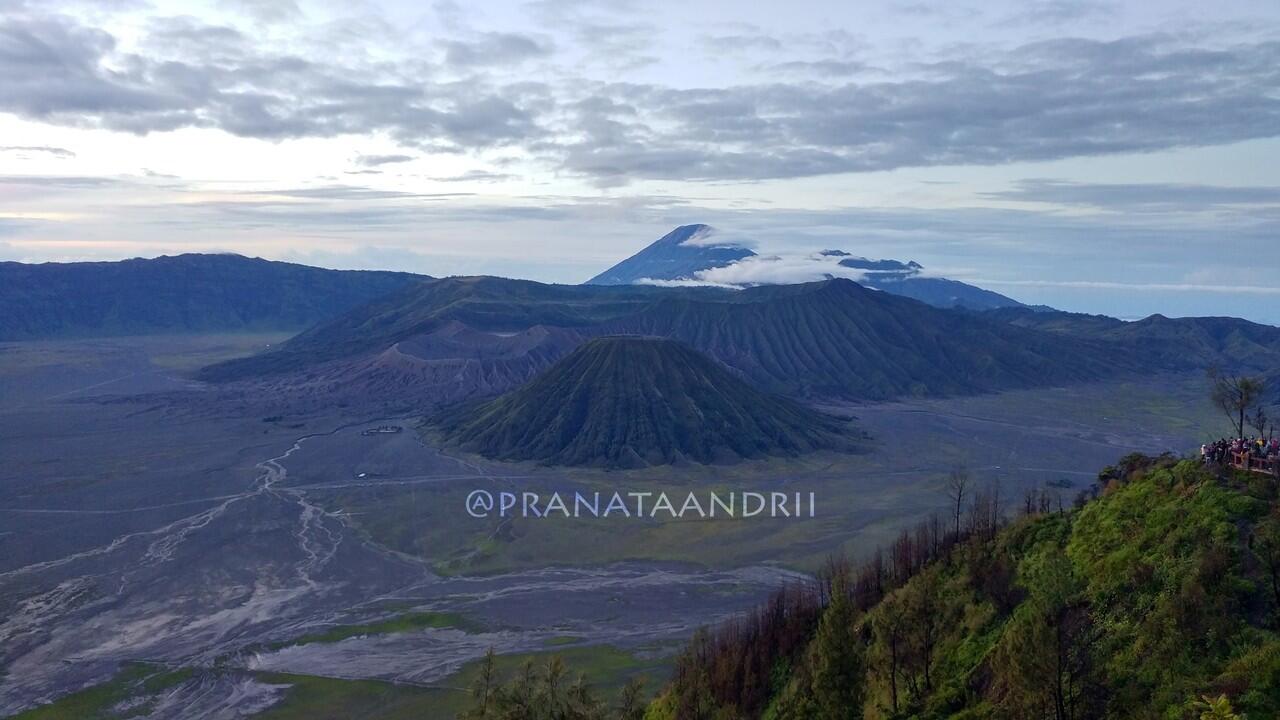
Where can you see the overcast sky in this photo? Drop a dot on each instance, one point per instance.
(1115, 157)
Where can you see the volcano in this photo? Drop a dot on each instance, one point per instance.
(625, 402)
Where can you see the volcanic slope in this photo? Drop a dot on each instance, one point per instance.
(487, 304)
(623, 402)
(836, 338)
(830, 339)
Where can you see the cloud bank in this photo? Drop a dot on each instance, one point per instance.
(767, 270)
(1053, 99)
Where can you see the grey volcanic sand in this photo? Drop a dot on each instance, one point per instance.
(183, 529)
(150, 529)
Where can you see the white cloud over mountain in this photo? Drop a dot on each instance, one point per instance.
(768, 270)
(708, 236)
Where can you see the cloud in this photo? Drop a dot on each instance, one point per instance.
(348, 192)
(57, 71)
(364, 257)
(614, 33)
(1150, 197)
(478, 176)
(768, 270)
(266, 10)
(822, 68)
(1058, 12)
(377, 160)
(195, 40)
(98, 7)
(708, 236)
(754, 43)
(949, 12)
(1042, 101)
(1138, 287)
(1047, 100)
(27, 152)
(62, 181)
(495, 48)
(450, 14)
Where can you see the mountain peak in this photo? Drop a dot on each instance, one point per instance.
(882, 268)
(677, 255)
(683, 233)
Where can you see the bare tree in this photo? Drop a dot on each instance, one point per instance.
(957, 486)
(1030, 500)
(985, 512)
(1236, 396)
(1259, 421)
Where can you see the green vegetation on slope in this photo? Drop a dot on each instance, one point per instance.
(632, 402)
(1156, 598)
(320, 698)
(407, 622)
(136, 686)
(543, 688)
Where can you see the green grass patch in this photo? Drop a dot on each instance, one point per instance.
(320, 698)
(317, 698)
(606, 668)
(409, 622)
(131, 692)
(560, 640)
(134, 681)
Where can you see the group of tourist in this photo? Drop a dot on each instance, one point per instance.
(1225, 450)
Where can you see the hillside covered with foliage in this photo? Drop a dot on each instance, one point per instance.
(1157, 597)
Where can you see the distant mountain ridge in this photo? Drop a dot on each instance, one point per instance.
(626, 402)
(1194, 342)
(941, 292)
(179, 294)
(689, 250)
(833, 338)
